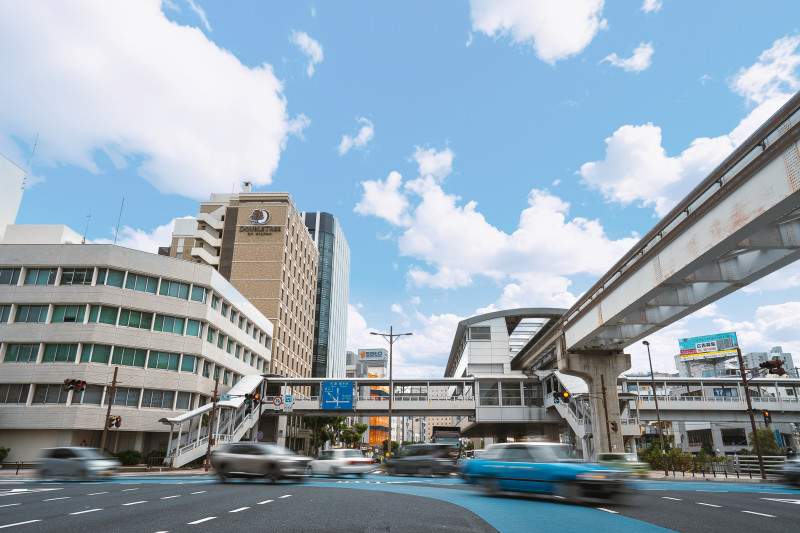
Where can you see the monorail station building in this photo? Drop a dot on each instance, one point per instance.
(72, 311)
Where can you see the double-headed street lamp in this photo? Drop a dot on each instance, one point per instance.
(658, 414)
(391, 337)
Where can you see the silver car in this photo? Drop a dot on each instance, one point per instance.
(258, 459)
(338, 462)
(791, 471)
(76, 462)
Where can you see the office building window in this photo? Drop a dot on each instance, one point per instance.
(210, 334)
(92, 395)
(135, 319)
(142, 283)
(14, 393)
(233, 316)
(68, 313)
(49, 394)
(157, 399)
(226, 377)
(216, 372)
(223, 310)
(31, 313)
(95, 353)
(110, 277)
(128, 357)
(174, 289)
(206, 369)
(230, 346)
(5, 311)
(238, 351)
(60, 353)
(103, 314)
(126, 397)
(40, 276)
(490, 393)
(163, 360)
(22, 353)
(194, 328)
(9, 276)
(480, 333)
(214, 302)
(512, 393)
(190, 363)
(199, 294)
(185, 401)
(77, 276)
(220, 341)
(169, 324)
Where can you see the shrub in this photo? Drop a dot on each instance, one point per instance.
(156, 453)
(129, 457)
(4, 453)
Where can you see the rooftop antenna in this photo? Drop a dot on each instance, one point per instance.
(88, 217)
(30, 160)
(119, 219)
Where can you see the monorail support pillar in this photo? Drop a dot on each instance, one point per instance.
(600, 370)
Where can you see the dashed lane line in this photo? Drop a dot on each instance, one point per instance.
(201, 520)
(760, 514)
(239, 509)
(285, 496)
(170, 497)
(265, 501)
(87, 511)
(54, 499)
(198, 492)
(10, 504)
(607, 510)
(126, 490)
(707, 504)
(135, 503)
(19, 524)
(668, 498)
(96, 493)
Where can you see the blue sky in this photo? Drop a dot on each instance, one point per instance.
(479, 155)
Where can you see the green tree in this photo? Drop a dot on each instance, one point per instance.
(324, 429)
(470, 446)
(768, 441)
(352, 435)
(4, 453)
(395, 445)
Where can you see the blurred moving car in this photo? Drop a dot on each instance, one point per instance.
(626, 461)
(338, 462)
(791, 471)
(258, 459)
(76, 462)
(543, 468)
(423, 459)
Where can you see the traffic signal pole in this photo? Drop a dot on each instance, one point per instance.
(211, 423)
(108, 411)
(750, 412)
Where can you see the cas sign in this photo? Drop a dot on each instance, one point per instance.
(379, 353)
(708, 346)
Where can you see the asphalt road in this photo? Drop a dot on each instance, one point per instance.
(379, 503)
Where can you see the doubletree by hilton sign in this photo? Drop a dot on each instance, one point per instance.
(259, 219)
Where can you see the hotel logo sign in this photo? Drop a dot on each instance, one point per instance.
(259, 216)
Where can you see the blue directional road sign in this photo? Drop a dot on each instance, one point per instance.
(337, 394)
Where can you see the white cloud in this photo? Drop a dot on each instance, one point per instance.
(641, 59)
(384, 200)
(311, 48)
(772, 325)
(365, 134)
(397, 308)
(437, 165)
(119, 78)
(555, 30)
(705, 78)
(200, 13)
(415, 300)
(785, 278)
(142, 240)
(773, 75)
(651, 6)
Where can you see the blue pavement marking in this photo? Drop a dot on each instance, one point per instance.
(698, 486)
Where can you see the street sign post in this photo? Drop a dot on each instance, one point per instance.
(277, 403)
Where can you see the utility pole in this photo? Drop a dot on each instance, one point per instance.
(391, 337)
(750, 412)
(605, 408)
(211, 423)
(108, 410)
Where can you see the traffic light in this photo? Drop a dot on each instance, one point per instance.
(556, 397)
(767, 417)
(80, 385)
(110, 422)
(773, 366)
(614, 426)
(565, 396)
(256, 399)
(117, 421)
(68, 384)
(248, 403)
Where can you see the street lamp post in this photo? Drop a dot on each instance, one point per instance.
(391, 337)
(658, 413)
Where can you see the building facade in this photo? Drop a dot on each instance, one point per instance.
(259, 242)
(333, 293)
(730, 366)
(73, 311)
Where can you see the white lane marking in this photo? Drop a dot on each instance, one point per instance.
(168, 497)
(135, 503)
(285, 496)
(198, 492)
(259, 503)
(19, 523)
(10, 504)
(760, 514)
(201, 520)
(239, 509)
(704, 490)
(96, 493)
(796, 502)
(54, 499)
(126, 490)
(668, 498)
(707, 504)
(87, 511)
(607, 510)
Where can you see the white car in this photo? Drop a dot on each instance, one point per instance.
(338, 462)
(77, 463)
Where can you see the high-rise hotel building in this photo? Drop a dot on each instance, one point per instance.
(259, 242)
(333, 292)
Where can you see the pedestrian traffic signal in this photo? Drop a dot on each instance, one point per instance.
(556, 397)
(248, 398)
(767, 417)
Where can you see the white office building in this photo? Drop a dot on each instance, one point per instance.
(78, 311)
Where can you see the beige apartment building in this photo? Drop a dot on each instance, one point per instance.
(258, 241)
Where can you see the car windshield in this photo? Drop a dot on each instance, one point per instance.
(89, 453)
(352, 453)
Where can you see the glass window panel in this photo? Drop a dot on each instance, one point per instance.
(5, 311)
(146, 321)
(192, 328)
(9, 276)
(226, 377)
(159, 323)
(224, 309)
(108, 315)
(179, 325)
(173, 362)
(184, 401)
(124, 317)
(183, 291)
(210, 334)
(92, 395)
(489, 393)
(512, 394)
(198, 294)
(101, 353)
(141, 283)
(206, 369)
(220, 340)
(102, 273)
(86, 353)
(214, 301)
(188, 363)
(58, 313)
(115, 278)
(94, 310)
